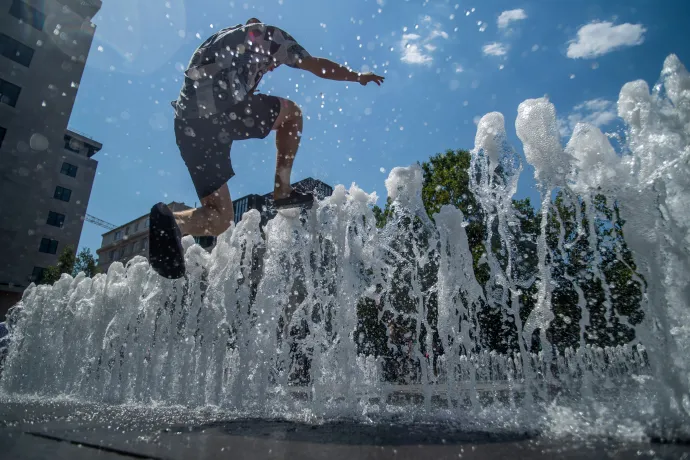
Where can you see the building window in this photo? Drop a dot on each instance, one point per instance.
(72, 144)
(69, 169)
(111, 255)
(15, 50)
(127, 230)
(118, 235)
(37, 274)
(28, 14)
(62, 193)
(144, 244)
(205, 241)
(136, 227)
(56, 219)
(48, 246)
(146, 223)
(9, 93)
(3, 131)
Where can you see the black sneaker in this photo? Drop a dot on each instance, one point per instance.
(166, 255)
(295, 199)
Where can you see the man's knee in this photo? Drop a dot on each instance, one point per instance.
(219, 220)
(293, 110)
(289, 111)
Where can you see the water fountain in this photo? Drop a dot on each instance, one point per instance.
(269, 326)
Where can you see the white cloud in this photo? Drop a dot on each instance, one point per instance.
(410, 37)
(438, 33)
(412, 54)
(505, 18)
(495, 49)
(597, 112)
(598, 38)
(418, 49)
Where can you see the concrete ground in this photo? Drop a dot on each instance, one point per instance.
(76, 431)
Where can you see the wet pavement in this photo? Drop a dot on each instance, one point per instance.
(78, 431)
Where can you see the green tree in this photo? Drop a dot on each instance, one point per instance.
(86, 263)
(597, 293)
(447, 181)
(383, 215)
(65, 264)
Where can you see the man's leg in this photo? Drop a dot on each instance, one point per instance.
(205, 149)
(213, 217)
(165, 247)
(288, 127)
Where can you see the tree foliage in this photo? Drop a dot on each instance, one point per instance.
(69, 263)
(597, 293)
(65, 264)
(86, 263)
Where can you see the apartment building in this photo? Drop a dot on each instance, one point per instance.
(46, 169)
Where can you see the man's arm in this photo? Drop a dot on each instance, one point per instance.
(325, 68)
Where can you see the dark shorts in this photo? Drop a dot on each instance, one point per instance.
(205, 143)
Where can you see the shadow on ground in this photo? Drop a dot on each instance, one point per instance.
(354, 433)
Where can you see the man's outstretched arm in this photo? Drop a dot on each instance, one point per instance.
(325, 68)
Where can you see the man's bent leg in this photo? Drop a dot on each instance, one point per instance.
(213, 217)
(288, 128)
(205, 148)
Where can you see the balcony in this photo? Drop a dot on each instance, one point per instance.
(81, 144)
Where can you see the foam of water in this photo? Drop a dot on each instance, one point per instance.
(267, 324)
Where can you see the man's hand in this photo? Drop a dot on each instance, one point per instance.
(368, 77)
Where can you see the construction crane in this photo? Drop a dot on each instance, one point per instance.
(99, 222)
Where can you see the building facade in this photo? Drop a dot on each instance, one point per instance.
(131, 239)
(46, 170)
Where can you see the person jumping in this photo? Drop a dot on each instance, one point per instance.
(218, 105)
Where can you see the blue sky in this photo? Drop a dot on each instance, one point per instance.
(446, 63)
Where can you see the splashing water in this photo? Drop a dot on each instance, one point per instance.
(324, 314)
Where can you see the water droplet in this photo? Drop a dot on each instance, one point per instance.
(38, 142)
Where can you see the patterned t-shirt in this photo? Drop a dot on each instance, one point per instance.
(230, 64)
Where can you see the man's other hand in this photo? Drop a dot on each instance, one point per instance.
(368, 77)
